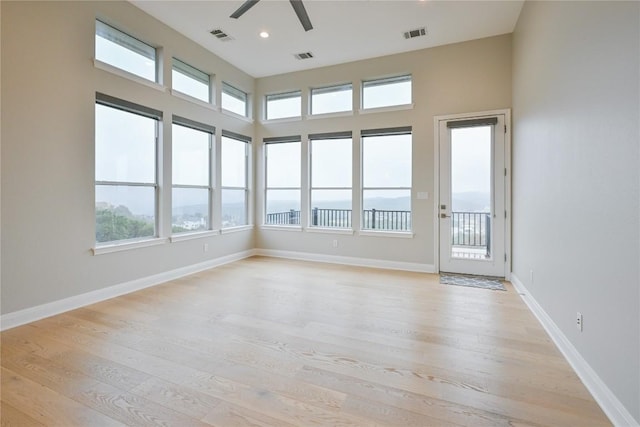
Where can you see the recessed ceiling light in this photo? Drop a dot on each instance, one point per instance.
(264, 34)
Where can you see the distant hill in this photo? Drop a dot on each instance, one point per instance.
(471, 201)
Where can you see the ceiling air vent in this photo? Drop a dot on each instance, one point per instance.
(415, 33)
(304, 55)
(221, 35)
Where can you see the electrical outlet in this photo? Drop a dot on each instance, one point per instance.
(335, 243)
(205, 247)
(531, 276)
(579, 321)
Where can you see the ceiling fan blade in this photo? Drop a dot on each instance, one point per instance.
(298, 7)
(242, 9)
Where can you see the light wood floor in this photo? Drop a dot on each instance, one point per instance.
(265, 342)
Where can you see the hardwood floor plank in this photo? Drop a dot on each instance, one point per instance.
(11, 417)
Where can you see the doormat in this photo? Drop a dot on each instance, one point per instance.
(472, 281)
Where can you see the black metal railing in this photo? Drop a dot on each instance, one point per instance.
(471, 229)
(372, 219)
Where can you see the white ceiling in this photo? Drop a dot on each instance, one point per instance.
(343, 31)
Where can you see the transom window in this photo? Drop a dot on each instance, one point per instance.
(126, 199)
(386, 179)
(235, 179)
(331, 179)
(283, 105)
(235, 100)
(283, 170)
(191, 176)
(332, 99)
(125, 52)
(190, 81)
(386, 92)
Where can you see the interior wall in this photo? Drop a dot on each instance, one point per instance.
(460, 78)
(576, 182)
(48, 91)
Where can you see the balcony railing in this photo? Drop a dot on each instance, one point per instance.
(373, 219)
(471, 230)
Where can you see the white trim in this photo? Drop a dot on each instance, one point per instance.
(397, 234)
(194, 100)
(236, 229)
(235, 115)
(386, 109)
(281, 227)
(127, 75)
(326, 230)
(193, 235)
(345, 260)
(281, 120)
(612, 407)
(28, 315)
(125, 246)
(329, 115)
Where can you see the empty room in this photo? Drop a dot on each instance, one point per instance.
(318, 212)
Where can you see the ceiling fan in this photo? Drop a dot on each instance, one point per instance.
(297, 5)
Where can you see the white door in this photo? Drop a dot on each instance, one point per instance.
(471, 208)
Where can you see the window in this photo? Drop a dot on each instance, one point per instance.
(386, 92)
(333, 99)
(235, 189)
(283, 105)
(331, 180)
(125, 52)
(125, 170)
(386, 179)
(234, 100)
(191, 81)
(191, 176)
(283, 180)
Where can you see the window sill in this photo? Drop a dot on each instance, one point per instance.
(195, 235)
(386, 109)
(324, 230)
(127, 75)
(236, 229)
(193, 100)
(236, 116)
(329, 115)
(281, 227)
(282, 120)
(395, 234)
(119, 247)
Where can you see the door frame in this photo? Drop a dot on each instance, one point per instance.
(507, 181)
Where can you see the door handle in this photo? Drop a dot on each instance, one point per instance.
(444, 215)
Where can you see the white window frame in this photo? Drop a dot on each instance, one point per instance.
(194, 73)
(407, 130)
(280, 140)
(238, 94)
(131, 43)
(383, 82)
(282, 95)
(247, 162)
(330, 89)
(210, 130)
(132, 108)
(326, 137)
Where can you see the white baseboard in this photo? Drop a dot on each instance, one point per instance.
(28, 315)
(609, 403)
(345, 260)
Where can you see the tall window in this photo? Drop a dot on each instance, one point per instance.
(125, 52)
(235, 100)
(331, 180)
(190, 81)
(235, 188)
(386, 179)
(333, 99)
(283, 180)
(283, 105)
(125, 170)
(386, 92)
(191, 170)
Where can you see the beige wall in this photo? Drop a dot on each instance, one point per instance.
(576, 98)
(460, 78)
(48, 94)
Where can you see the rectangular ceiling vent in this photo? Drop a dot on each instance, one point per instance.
(304, 55)
(415, 33)
(221, 35)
